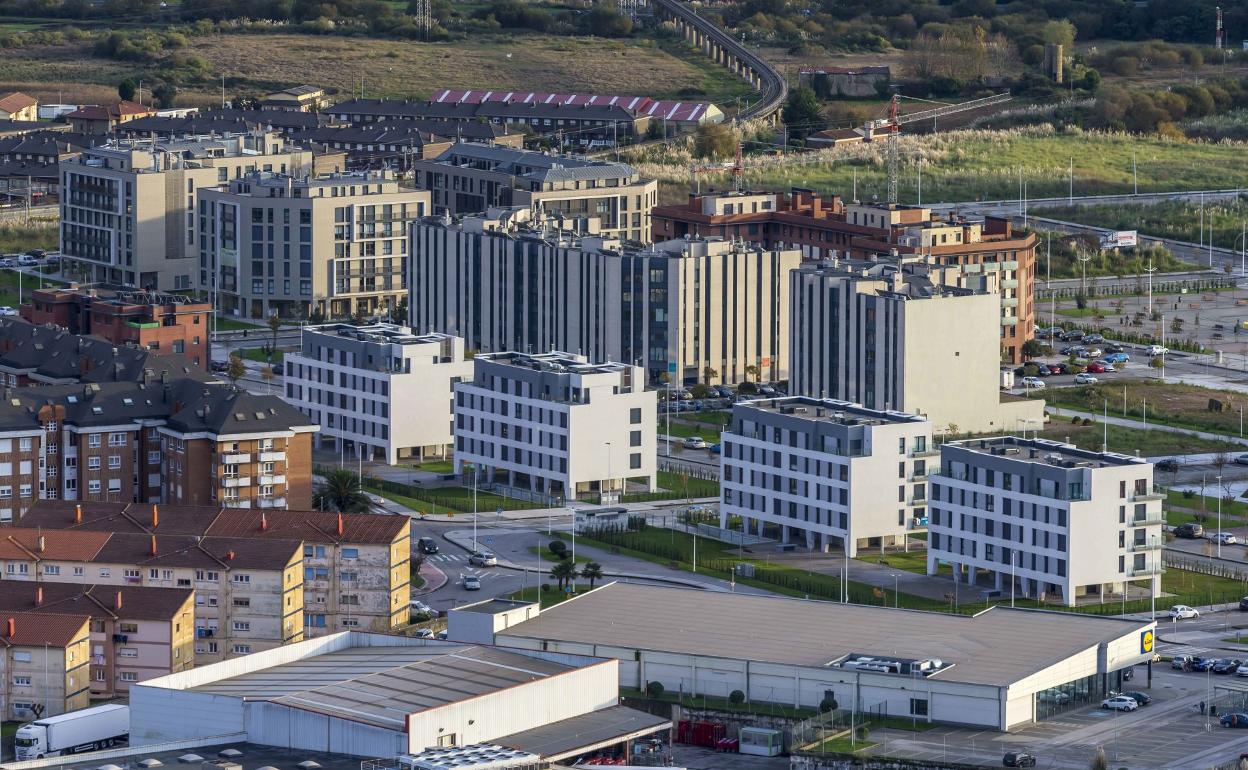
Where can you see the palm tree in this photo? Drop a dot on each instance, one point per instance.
(709, 374)
(591, 571)
(275, 323)
(564, 571)
(341, 491)
(751, 371)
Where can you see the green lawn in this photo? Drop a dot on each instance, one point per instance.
(231, 324)
(1126, 440)
(258, 354)
(548, 558)
(1179, 220)
(9, 287)
(19, 239)
(437, 466)
(913, 561)
(1236, 510)
(441, 500)
(1183, 406)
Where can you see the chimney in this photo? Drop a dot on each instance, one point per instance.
(229, 556)
(12, 629)
(155, 516)
(340, 527)
(117, 602)
(264, 522)
(153, 545)
(43, 544)
(78, 514)
(39, 596)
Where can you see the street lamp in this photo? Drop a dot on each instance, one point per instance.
(896, 598)
(1219, 515)
(609, 481)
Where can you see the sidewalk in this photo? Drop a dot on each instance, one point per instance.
(434, 579)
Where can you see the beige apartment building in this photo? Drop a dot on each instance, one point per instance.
(137, 632)
(335, 244)
(44, 664)
(128, 206)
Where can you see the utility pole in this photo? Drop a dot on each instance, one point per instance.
(1135, 176)
(1150, 270)
(1070, 197)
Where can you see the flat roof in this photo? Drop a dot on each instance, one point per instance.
(1045, 452)
(583, 733)
(253, 756)
(996, 647)
(382, 685)
(494, 606)
(828, 410)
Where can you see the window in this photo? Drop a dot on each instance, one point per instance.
(21, 657)
(127, 652)
(242, 625)
(350, 553)
(129, 676)
(116, 439)
(21, 681)
(93, 440)
(242, 649)
(241, 578)
(634, 417)
(132, 573)
(93, 463)
(52, 569)
(242, 601)
(128, 628)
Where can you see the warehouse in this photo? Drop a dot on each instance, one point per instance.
(999, 669)
(376, 695)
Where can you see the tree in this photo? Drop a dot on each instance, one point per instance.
(592, 571)
(736, 697)
(236, 369)
(558, 548)
(341, 491)
(709, 373)
(267, 374)
(605, 20)
(126, 90)
(714, 141)
(275, 324)
(1099, 762)
(1033, 348)
(166, 94)
(751, 371)
(654, 689)
(802, 113)
(564, 571)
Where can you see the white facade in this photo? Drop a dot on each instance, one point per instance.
(557, 424)
(380, 389)
(1052, 518)
(826, 472)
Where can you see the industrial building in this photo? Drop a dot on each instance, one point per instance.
(999, 669)
(372, 695)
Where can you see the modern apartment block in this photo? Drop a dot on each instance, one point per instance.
(175, 441)
(472, 178)
(1056, 521)
(682, 309)
(826, 473)
(834, 229)
(355, 567)
(378, 391)
(248, 593)
(128, 207)
(137, 632)
(557, 425)
(334, 244)
(160, 323)
(44, 664)
(910, 337)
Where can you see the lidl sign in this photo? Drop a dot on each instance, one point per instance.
(1146, 642)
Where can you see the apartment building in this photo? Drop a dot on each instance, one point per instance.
(44, 664)
(128, 206)
(378, 391)
(297, 99)
(558, 425)
(833, 229)
(50, 355)
(471, 178)
(826, 473)
(156, 322)
(334, 244)
(687, 310)
(910, 337)
(176, 441)
(137, 632)
(103, 119)
(248, 592)
(356, 567)
(1052, 521)
(396, 144)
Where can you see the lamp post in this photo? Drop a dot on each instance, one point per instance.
(896, 598)
(1219, 515)
(609, 481)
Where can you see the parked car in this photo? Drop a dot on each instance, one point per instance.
(1018, 759)
(220, 366)
(1072, 350)
(1117, 357)
(5, 310)
(1085, 379)
(1140, 698)
(1226, 666)
(1183, 612)
(1042, 370)
(441, 635)
(419, 606)
(424, 633)
(767, 390)
(716, 449)
(1233, 720)
(1033, 382)
(1093, 352)
(1189, 530)
(1093, 339)
(1156, 350)
(1181, 662)
(1225, 538)
(1114, 347)
(695, 442)
(1096, 368)
(482, 559)
(1072, 334)
(427, 545)
(27, 261)
(472, 583)
(1243, 604)
(1241, 459)
(1120, 703)
(1109, 365)
(1204, 664)
(7, 262)
(1242, 670)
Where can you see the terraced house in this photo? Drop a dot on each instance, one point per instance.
(43, 664)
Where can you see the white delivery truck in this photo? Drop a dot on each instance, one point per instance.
(84, 730)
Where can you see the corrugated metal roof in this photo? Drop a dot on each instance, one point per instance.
(580, 733)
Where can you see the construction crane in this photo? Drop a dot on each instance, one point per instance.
(736, 167)
(892, 124)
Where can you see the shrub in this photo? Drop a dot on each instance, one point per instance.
(654, 689)
(828, 704)
(736, 697)
(558, 548)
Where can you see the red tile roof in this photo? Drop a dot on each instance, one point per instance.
(110, 111)
(137, 602)
(50, 544)
(310, 526)
(16, 101)
(36, 630)
(641, 105)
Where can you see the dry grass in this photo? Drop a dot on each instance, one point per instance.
(390, 68)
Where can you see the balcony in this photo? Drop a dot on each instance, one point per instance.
(230, 482)
(235, 459)
(1157, 494)
(919, 475)
(270, 502)
(272, 480)
(1150, 570)
(1152, 545)
(932, 451)
(272, 457)
(1149, 519)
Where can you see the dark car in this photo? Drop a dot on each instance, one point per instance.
(1168, 465)
(1226, 666)
(220, 366)
(1042, 370)
(1234, 720)
(279, 370)
(1204, 664)
(1141, 698)
(1243, 604)
(1190, 530)
(427, 545)
(1115, 348)
(1018, 759)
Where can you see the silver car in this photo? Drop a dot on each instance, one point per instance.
(482, 559)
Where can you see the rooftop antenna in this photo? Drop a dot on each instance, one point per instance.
(1218, 32)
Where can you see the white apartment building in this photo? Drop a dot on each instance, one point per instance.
(334, 244)
(827, 473)
(557, 425)
(1055, 520)
(378, 390)
(128, 207)
(682, 309)
(913, 337)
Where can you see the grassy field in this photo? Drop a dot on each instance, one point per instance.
(1133, 261)
(9, 286)
(982, 165)
(1185, 406)
(231, 324)
(438, 466)
(391, 68)
(1150, 443)
(258, 355)
(18, 239)
(1171, 219)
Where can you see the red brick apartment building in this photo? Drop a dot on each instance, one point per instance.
(160, 323)
(826, 229)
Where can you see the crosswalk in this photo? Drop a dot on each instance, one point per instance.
(449, 557)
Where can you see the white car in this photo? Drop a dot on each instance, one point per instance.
(1225, 538)
(1156, 350)
(1120, 703)
(1083, 378)
(419, 606)
(472, 583)
(1242, 670)
(1183, 612)
(424, 633)
(696, 442)
(5, 310)
(1034, 383)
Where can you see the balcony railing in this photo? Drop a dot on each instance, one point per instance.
(1157, 493)
(272, 480)
(231, 482)
(272, 457)
(1155, 517)
(270, 502)
(1151, 545)
(1152, 569)
(235, 459)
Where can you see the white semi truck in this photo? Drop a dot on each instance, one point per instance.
(77, 731)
